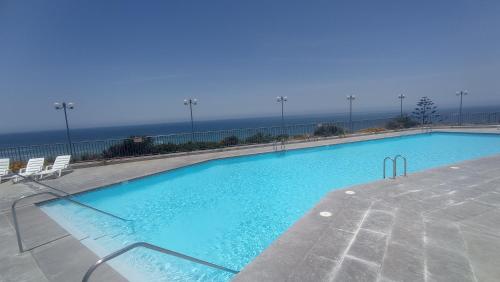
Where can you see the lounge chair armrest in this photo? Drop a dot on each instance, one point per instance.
(49, 167)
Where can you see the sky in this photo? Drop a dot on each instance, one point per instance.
(134, 62)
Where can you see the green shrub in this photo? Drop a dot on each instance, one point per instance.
(401, 122)
(230, 141)
(131, 147)
(328, 130)
(259, 138)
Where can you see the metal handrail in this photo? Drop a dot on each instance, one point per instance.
(30, 178)
(66, 197)
(404, 160)
(393, 168)
(154, 248)
(283, 144)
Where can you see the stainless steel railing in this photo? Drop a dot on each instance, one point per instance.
(281, 146)
(65, 197)
(404, 163)
(154, 248)
(394, 166)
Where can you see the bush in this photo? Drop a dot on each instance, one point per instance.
(282, 137)
(230, 141)
(259, 138)
(88, 157)
(15, 166)
(328, 130)
(372, 130)
(186, 147)
(135, 146)
(401, 122)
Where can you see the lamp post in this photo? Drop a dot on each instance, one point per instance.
(350, 98)
(282, 100)
(191, 102)
(401, 97)
(66, 106)
(461, 94)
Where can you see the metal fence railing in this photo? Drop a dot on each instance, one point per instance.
(184, 142)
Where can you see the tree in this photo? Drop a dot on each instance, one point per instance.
(426, 111)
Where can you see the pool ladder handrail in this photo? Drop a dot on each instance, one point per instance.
(404, 163)
(282, 146)
(65, 197)
(154, 248)
(394, 166)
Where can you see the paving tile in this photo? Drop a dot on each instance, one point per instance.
(369, 246)
(8, 244)
(381, 206)
(408, 229)
(488, 222)
(20, 268)
(483, 251)
(380, 221)
(33, 232)
(356, 270)
(349, 219)
(268, 268)
(403, 264)
(67, 260)
(332, 244)
(460, 211)
(444, 234)
(447, 265)
(313, 269)
(492, 198)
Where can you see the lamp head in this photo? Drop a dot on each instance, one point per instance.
(194, 101)
(58, 106)
(186, 102)
(70, 106)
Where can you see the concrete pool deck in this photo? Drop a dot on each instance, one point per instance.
(439, 225)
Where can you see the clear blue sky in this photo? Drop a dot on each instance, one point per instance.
(132, 62)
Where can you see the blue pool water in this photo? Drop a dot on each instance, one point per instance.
(228, 211)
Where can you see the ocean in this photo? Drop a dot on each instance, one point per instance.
(118, 132)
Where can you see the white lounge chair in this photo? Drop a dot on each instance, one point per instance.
(34, 166)
(61, 163)
(4, 168)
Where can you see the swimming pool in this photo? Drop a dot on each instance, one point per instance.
(228, 211)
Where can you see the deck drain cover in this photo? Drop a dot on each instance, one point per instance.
(454, 167)
(349, 192)
(325, 214)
